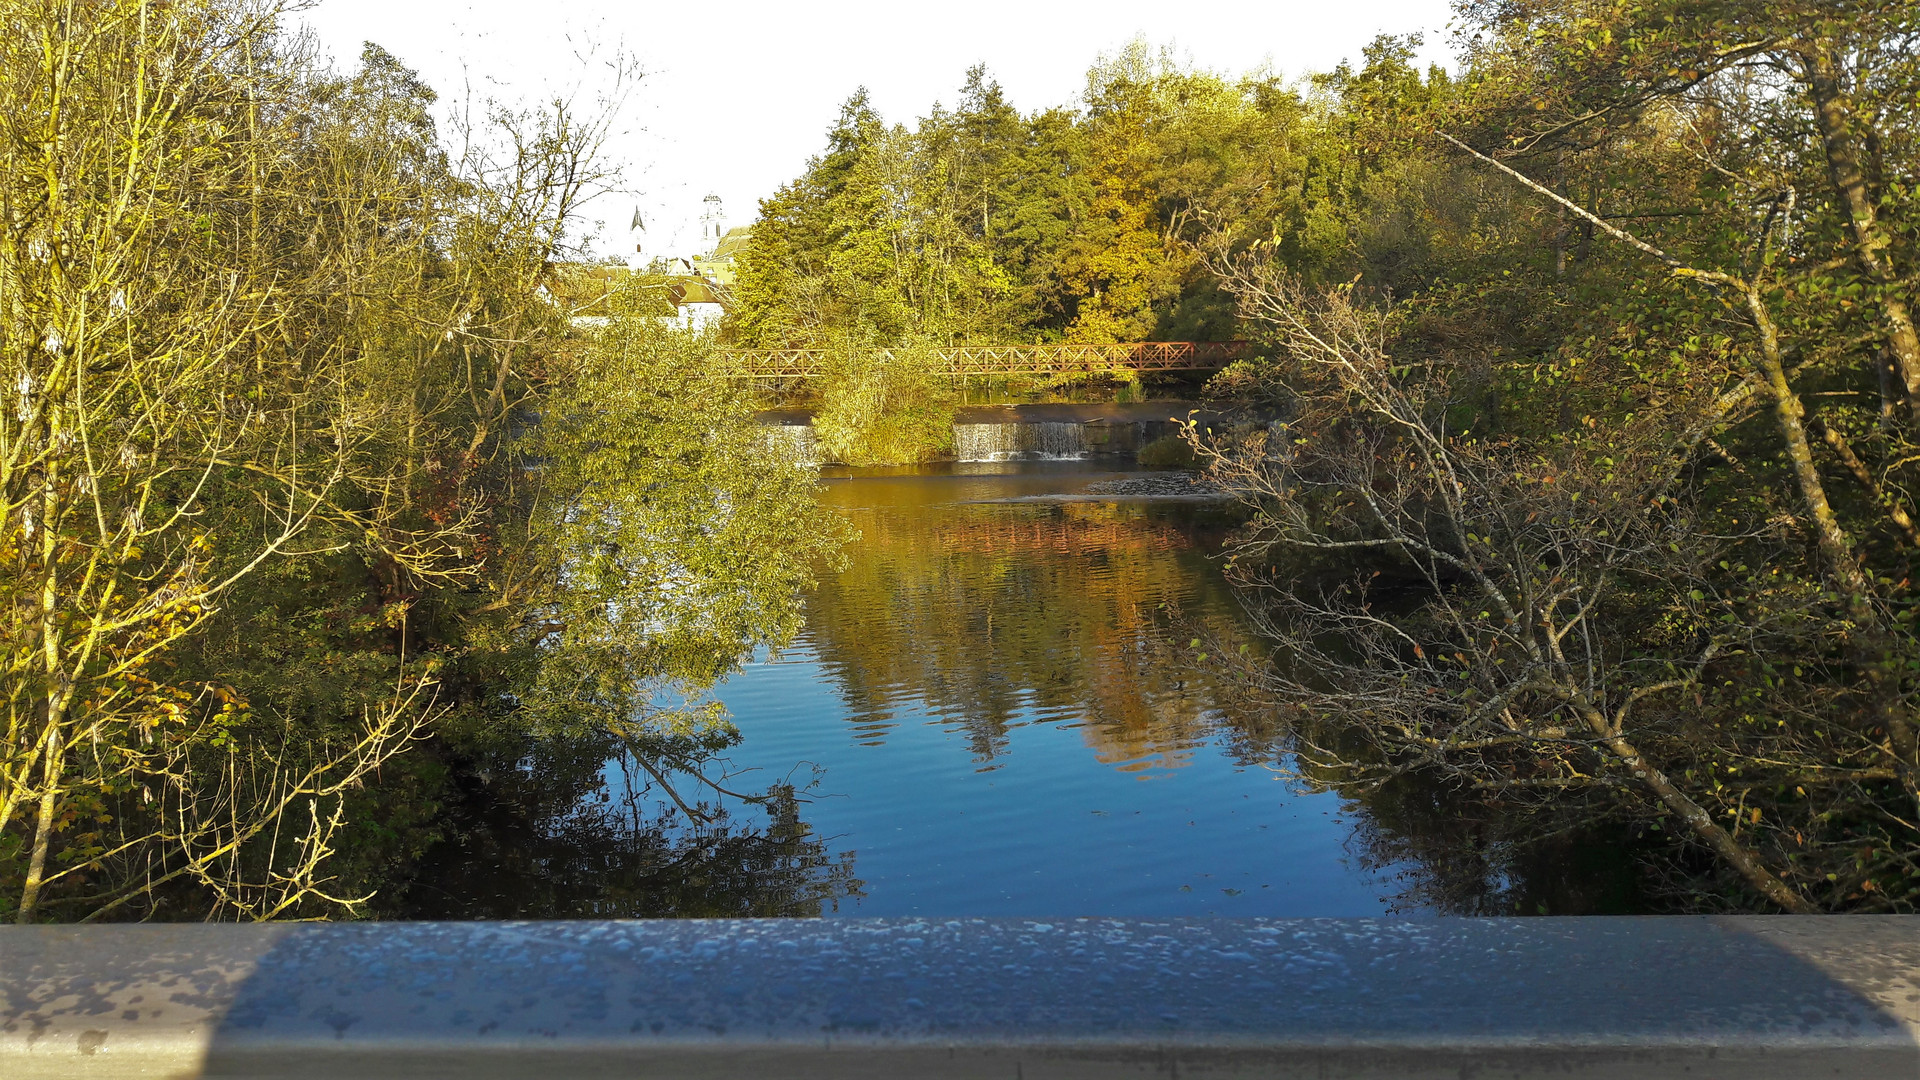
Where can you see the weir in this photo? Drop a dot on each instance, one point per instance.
(1047, 440)
(796, 440)
(1048, 432)
(1739, 998)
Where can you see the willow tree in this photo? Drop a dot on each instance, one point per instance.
(667, 538)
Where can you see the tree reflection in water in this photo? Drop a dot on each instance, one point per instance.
(983, 617)
(992, 615)
(1094, 615)
(1458, 856)
(561, 833)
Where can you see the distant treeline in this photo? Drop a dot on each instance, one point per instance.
(984, 224)
(1595, 501)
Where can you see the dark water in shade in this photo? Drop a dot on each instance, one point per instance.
(1006, 724)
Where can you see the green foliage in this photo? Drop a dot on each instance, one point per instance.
(305, 469)
(885, 407)
(1747, 386)
(676, 538)
(1168, 452)
(312, 497)
(982, 225)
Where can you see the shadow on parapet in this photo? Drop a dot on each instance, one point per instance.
(1641, 997)
(1745, 997)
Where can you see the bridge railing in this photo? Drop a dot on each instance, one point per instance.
(992, 360)
(1736, 998)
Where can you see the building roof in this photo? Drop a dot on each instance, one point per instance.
(733, 242)
(593, 290)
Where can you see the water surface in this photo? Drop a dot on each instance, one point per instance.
(1000, 700)
(995, 709)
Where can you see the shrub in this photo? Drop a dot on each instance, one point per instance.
(1168, 452)
(885, 407)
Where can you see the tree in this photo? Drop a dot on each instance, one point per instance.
(1534, 645)
(305, 467)
(152, 336)
(984, 226)
(1641, 442)
(826, 255)
(669, 539)
(1841, 78)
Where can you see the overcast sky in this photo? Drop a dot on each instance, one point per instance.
(739, 94)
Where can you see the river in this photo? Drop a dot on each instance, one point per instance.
(996, 708)
(1005, 720)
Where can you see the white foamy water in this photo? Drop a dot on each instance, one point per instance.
(797, 440)
(1045, 441)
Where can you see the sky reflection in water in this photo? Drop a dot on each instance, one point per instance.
(1006, 729)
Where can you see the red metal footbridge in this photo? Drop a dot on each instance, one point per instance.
(973, 361)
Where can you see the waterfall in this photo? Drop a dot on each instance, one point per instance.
(1051, 440)
(983, 442)
(795, 440)
(1047, 441)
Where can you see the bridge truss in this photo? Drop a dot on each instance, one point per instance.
(973, 361)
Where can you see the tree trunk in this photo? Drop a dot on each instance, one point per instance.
(1696, 816)
(43, 830)
(1789, 415)
(1864, 476)
(1868, 643)
(1833, 115)
(1887, 372)
(1707, 829)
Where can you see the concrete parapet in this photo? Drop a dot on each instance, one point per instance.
(1026, 999)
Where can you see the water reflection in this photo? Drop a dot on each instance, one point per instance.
(1460, 856)
(1005, 694)
(985, 616)
(1009, 719)
(1000, 691)
(555, 832)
